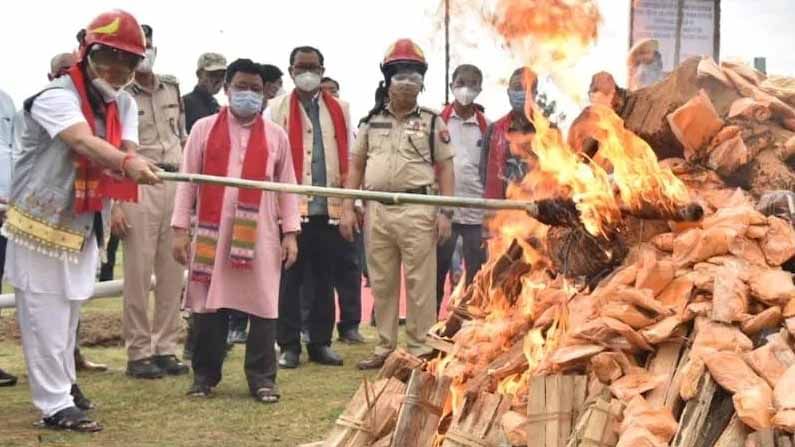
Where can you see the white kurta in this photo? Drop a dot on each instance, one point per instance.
(50, 291)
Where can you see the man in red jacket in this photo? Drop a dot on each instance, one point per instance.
(499, 166)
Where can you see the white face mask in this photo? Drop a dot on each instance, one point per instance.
(465, 95)
(307, 81)
(148, 62)
(108, 92)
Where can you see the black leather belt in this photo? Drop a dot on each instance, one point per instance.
(168, 167)
(424, 190)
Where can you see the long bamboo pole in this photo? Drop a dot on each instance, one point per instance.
(390, 198)
(690, 212)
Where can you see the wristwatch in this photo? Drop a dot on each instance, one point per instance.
(447, 212)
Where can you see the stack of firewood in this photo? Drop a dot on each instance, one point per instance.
(687, 342)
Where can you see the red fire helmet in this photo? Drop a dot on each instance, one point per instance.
(115, 29)
(405, 51)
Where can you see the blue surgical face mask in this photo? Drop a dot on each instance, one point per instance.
(518, 98)
(245, 103)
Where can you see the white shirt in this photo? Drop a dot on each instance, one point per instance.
(32, 271)
(58, 109)
(465, 137)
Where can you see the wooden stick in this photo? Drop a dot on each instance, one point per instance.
(689, 212)
(419, 416)
(391, 198)
(734, 435)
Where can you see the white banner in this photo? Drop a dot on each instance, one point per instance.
(659, 19)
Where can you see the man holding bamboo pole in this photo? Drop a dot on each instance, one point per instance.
(401, 147)
(80, 135)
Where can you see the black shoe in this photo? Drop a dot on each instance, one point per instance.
(199, 390)
(170, 364)
(289, 359)
(323, 355)
(352, 337)
(144, 369)
(81, 401)
(7, 379)
(237, 336)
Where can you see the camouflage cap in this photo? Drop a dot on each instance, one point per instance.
(211, 62)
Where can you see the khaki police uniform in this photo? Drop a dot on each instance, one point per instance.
(147, 247)
(398, 158)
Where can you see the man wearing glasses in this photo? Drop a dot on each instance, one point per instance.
(401, 147)
(79, 139)
(318, 126)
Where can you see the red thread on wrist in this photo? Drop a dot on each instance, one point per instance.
(124, 161)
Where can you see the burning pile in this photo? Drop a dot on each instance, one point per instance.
(622, 317)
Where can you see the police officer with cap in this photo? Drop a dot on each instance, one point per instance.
(401, 147)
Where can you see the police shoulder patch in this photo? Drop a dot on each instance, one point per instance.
(444, 136)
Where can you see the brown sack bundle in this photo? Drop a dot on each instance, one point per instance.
(772, 360)
(754, 405)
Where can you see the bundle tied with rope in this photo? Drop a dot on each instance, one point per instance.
(369, 416)
(597, 425)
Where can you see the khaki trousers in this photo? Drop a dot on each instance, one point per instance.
(396, 235)
(147, 251)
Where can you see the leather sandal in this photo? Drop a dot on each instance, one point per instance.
(72, 419)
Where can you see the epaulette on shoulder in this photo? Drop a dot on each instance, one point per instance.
(169, 79)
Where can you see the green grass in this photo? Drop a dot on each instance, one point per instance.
(157, 413)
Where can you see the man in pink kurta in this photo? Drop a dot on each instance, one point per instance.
(254, 288)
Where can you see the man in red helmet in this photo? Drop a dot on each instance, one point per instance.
(401, 147)
(78, 154)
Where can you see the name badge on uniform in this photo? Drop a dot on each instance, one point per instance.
(384, 125)
(415, 127)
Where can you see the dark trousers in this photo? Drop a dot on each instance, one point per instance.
(3, 243)
(309, 279)
(106, 271)
(347, 281)
(238, 320)
(474, 256)
(210, 331)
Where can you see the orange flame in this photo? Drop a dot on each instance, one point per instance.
(547, 34)
(636, 173)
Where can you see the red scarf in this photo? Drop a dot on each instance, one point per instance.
(211, 198)
(448, 112)
(498, 148)
(296, 133)
(92, 184)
